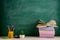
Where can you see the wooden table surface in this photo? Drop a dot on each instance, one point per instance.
(31, 38)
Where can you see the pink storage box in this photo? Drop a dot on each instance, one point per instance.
(47, 32)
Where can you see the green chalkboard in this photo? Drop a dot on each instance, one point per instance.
(24, 14)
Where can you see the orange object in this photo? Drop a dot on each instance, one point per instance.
(10, 31)
(10, 34)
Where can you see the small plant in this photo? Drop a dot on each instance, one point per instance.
(22, 33)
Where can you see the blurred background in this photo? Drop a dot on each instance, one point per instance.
(24, 15)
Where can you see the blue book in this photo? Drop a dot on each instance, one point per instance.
(47, 28)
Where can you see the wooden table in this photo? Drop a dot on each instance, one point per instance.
(31, 38)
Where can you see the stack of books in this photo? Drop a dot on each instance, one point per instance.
(48, 32)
